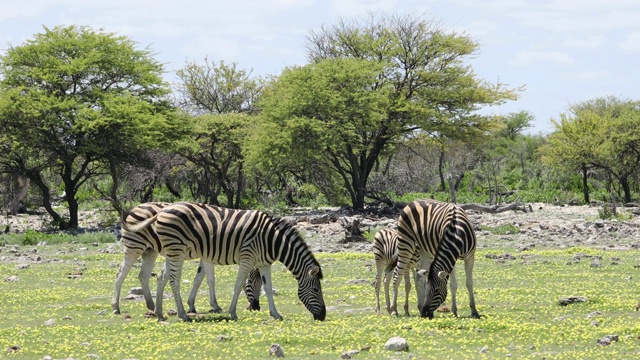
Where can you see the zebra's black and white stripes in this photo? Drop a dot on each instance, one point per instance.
(145, 243)
(441, 233)
(385, 253)
(224, 236)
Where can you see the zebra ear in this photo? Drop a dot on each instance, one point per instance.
(443, 275)
(314, 271)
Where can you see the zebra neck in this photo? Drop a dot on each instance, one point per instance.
(296, 256)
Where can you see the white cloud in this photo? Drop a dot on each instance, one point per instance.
(589, 75)
(537, 57)
(631, 42)
(589, 42)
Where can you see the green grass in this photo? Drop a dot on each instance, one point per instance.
(517, 298)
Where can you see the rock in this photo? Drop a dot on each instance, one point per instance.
(607, 339)
(484, 349)
(136, 291)
(397, 343)
(13, 349)
(47, 358)
(594, 314)
(67, 317)
(93, 356)
(276, 350)
(23, 266)
(571, 299)
(11, 278)
(349, 354)
(320, 219)
(595, 263)
(49, 322)
(224, 338)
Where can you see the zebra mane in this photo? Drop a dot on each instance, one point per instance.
(286, 227)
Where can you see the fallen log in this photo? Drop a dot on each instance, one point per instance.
(516, 206)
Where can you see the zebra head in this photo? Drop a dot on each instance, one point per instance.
(252, 287)
(436, 291)
(310, 292)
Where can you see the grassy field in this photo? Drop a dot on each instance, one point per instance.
(518, 299)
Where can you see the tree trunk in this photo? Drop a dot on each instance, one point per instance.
(585, 184)
(239, 187)
(18, 204)
(452, 189)
(624, 182)
(46, 199)
(443, 186)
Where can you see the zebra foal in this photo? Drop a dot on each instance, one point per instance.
(385, 253)
(441, 233)
(224, 236)
(144, 243)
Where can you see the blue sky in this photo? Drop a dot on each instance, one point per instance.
(562, 51)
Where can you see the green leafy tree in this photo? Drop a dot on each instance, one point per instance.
(602, 133)
(371, 83)
(77, 103)
(222, 98)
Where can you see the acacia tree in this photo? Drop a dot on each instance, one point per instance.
(602, 133)
(76, 102)
(371, 83)
(220, 98)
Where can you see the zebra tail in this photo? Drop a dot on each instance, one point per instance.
(140, 225)
(392, 264)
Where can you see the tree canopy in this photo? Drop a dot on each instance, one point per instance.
(73, 100)
(371, 83)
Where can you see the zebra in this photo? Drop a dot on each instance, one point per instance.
(144, 243)
(385, 253)
(442, 233)
(224, 236)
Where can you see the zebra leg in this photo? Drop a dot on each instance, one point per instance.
(175, 273)
(265, 273)
(379, 270)
(197, 281)
(243, 272)
(127, 263)
(405, 256)
(424, 262)
(161, 283)
(454, 289)
(407, 290)
(204, 269)
(387, 282)
(149, 257)
(468, 269)
(211, 282)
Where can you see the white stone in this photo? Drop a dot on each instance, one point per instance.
(397, 343)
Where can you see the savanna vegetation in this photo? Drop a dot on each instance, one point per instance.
(522, 317)
(385, 110)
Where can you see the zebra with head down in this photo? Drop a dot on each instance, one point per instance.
(222, 236)
(441, 233)
(144, 243)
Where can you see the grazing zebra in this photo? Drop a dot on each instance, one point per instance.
(224, 236)
(442, 233)
(385, 252)
(144, 243)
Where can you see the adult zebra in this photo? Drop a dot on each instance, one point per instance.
(385, 253)
(144, 243)
(441, 233)
(224, 236)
